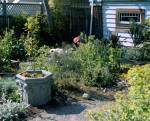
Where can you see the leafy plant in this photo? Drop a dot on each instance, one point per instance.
(6, 49)
(11, 111)
(31, 47)
(33, 26)
(133, 106)
(114, 40)
(92, 63)
(11, 48)
(140, 32)
(17, 24)
(137, 32)
(8, 86)
(145, 51)
(132, 53)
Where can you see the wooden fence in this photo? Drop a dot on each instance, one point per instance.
(7, 10)
(79, 14)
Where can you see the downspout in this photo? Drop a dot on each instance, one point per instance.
(91, 20)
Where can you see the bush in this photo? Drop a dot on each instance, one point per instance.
(8, 87)
(137, 53)
(6, 49)
(37, 28)
(10, 48)
(133, 106)
(145, 51)
(137, 32)
(92, 63)
(60, 31)
(11, 111)
(140, 32)
(18, 23)
(132, 53)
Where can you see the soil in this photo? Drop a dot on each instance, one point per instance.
(32, 75)
(71, 106)
(74, 111)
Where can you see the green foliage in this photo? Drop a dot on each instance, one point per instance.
(42, 58)
(10, 48)
(96, 62)
(18, 49)
(137, 53)
(132, 53)
(60, 28)
(11, 111)
(31, 48)
(6, 49)
(146, 51)
(137, 32)
(37, 28)
(140, 32)
(18, 23)
(8, 87)
(92, 63)
(33, 26)
(114, 40)
(133, 106)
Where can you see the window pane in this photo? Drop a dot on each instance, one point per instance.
(127, 17)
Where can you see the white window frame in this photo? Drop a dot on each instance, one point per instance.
(141, 13)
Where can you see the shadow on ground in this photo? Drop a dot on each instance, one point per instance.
(67, 109)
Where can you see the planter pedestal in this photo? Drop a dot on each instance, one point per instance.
(35, 91)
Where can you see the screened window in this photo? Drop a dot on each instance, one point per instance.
(125, 16)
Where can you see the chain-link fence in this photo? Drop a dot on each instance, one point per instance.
(13, 9)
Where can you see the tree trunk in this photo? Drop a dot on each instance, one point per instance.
(48, 12)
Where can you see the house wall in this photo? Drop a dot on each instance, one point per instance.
(109, 18)
(16, 1)
(30, 0)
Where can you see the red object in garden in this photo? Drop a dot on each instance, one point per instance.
(77, 40)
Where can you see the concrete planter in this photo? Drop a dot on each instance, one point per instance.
(35, 91)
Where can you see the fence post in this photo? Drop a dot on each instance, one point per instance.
(42, 9)
(4, 12)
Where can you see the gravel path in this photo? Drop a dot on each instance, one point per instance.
(74, 111)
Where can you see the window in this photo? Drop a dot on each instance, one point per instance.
(125, 16)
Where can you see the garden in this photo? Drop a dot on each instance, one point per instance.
(62, 72)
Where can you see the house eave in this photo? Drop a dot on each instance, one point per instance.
(125, 1)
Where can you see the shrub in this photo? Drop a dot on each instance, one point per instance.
(132, 53)
(11, 111)
(145, 51)
(18, 49)
(37, 28)
(42, 59)
(140, 32)
(60, 30)
(8, 87)
(137, 53)
(10, 48)
(137, 32)
(92, 63)
(6, 49)
(133, 106)
(33, 26)
(18, 23)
